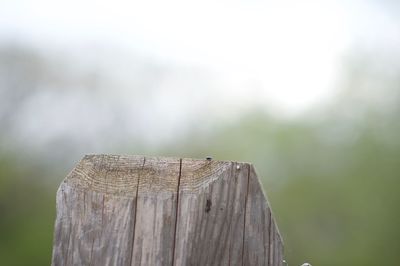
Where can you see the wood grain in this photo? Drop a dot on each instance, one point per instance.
(132, 210)
(210, 214)
(156, 212)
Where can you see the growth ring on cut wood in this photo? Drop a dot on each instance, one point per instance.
(135, 210)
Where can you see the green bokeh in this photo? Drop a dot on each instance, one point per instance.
(332, 178)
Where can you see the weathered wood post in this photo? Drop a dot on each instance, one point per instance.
(133, 210)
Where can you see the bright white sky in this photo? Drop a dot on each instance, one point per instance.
(288, 52)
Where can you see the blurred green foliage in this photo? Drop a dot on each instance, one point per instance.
(332, 177)
(336, 201)
(26, 213)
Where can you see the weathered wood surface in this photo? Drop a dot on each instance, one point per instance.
(132, 210)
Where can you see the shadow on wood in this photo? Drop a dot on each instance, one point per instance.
(132, 210)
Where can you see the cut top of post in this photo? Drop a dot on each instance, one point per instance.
(121, 175)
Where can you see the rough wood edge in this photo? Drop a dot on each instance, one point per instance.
(253, 169)
(118, 174)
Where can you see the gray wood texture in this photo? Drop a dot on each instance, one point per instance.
(135, 210)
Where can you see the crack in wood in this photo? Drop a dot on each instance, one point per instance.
(135, 212)
(177, 210)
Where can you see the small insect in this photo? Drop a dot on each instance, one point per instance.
(208, 158)
(208, 205)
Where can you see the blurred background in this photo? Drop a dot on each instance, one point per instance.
(308, 91)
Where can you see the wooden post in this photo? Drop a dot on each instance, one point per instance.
(133, 210)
